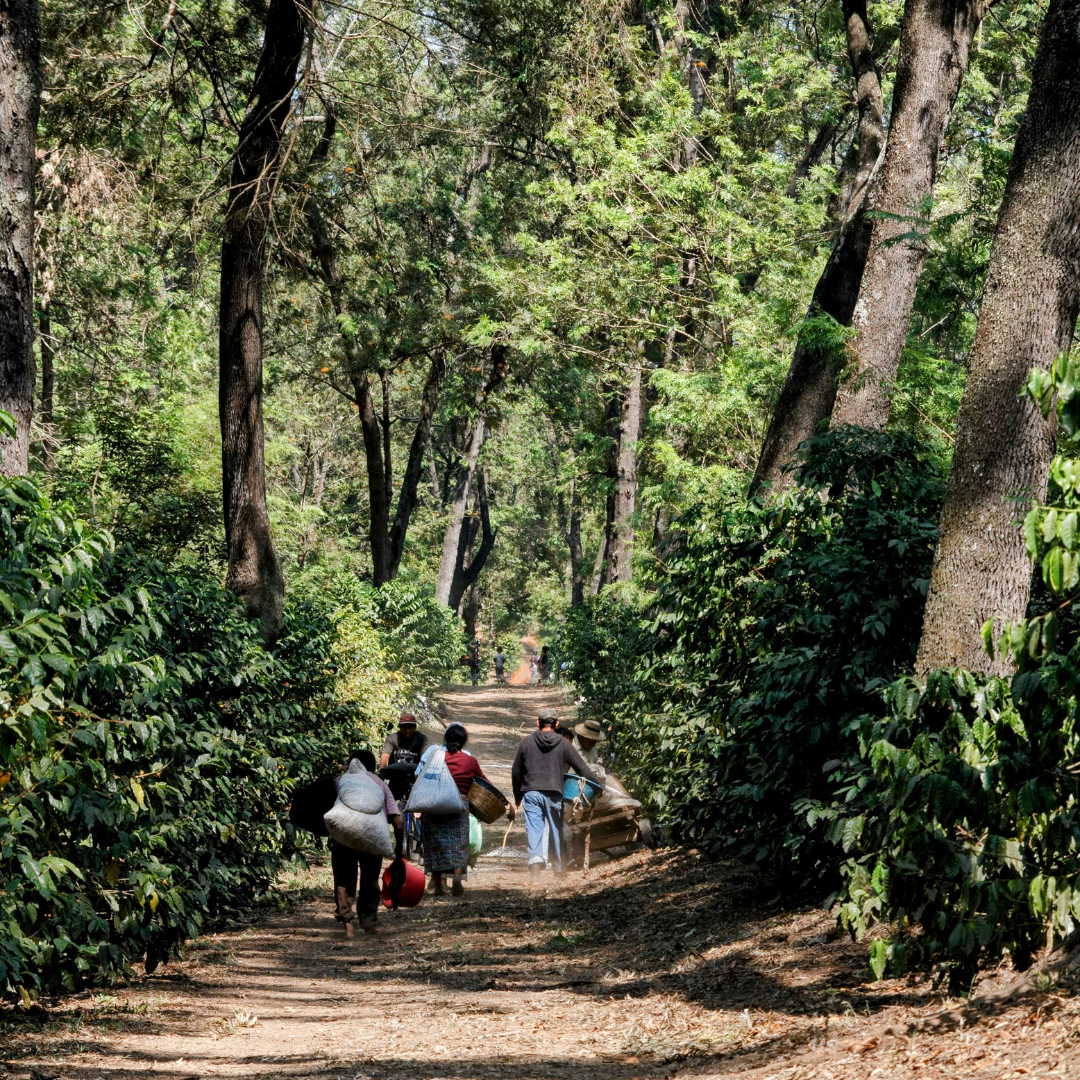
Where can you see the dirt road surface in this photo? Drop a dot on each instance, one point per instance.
(656, 964)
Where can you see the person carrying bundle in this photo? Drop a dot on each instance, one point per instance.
(349, 862)
(445, 835)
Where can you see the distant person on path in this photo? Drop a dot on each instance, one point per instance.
(534, 665)
(544, 664)
(500, 665)
(347, 864)
(474, 660)
(542, 759)
(445, 837)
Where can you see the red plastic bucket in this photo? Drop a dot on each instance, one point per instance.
(402, 884)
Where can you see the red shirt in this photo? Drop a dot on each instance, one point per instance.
(463, 767)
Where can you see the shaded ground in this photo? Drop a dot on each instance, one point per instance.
(654, 965)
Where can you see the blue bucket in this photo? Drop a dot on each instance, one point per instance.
(577, 787)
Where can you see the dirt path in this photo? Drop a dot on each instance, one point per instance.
(656, 965)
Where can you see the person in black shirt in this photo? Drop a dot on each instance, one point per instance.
(405, 746)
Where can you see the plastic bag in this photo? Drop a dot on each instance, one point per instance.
(476, 839)
(435, 791)
(350, 823)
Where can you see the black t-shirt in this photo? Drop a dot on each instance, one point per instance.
(405, 752)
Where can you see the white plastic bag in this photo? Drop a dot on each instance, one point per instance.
(435, 791)
(358, 819)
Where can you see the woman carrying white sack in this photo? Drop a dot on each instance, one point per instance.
(350, 862)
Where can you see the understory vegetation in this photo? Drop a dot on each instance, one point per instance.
(690, 337)
(149, 744)
(761, 703)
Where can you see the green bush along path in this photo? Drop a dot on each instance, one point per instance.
(655, 964)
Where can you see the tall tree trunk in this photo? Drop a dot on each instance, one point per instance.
(20, 101)
(414, 467)
(387, 540)
(577, 556)
(630, 425)
(612, 414)
(809, 391)
(468, 564)
(456, 514)
(1028, 315)
(254, 571)
(48, 389)
(378, 493)
(934, 42)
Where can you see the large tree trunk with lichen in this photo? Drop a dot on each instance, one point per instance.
(254, 572)
(631, 421)
(1028, 315)
(809, 391)
(935, 40)
(20, 100)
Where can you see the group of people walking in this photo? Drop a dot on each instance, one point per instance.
(543, 758)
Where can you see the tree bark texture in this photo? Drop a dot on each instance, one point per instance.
(48, 389)
(414, 467)
(935, 39)
(254, 571)
(20, 102)
(379, 496)
(1028, 315)
(468, 563)
(631, 419)
(612, 415)
(456, 512)
(577, 556)
(809, 391)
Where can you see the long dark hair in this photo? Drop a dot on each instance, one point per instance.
(455, 737)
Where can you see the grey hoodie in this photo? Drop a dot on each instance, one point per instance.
(542, 759)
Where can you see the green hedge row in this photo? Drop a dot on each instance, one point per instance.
(148, 748)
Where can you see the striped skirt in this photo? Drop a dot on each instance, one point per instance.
(446, 841)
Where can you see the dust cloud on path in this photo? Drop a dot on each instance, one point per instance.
(658, 964)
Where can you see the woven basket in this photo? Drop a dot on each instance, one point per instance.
(486, 801)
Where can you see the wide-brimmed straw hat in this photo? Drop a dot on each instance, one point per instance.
(591, 729)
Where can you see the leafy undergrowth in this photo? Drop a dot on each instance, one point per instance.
(148, 746)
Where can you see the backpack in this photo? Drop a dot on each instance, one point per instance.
(311, 802)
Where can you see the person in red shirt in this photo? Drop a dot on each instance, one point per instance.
(446, 836)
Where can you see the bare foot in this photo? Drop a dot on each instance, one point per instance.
(350, 931)
(367, 924)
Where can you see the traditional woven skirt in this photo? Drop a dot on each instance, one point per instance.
(446, 841)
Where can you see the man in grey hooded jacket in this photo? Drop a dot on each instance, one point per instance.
(542, 759)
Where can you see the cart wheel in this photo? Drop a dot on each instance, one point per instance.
(645, 832)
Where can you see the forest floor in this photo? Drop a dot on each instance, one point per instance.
(656, 964)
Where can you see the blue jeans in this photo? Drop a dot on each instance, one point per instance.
(543, 809)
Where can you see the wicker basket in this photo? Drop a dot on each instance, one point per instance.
(486, 801)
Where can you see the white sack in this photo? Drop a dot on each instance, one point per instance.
(434, 791)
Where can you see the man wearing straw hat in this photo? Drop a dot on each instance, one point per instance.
(588, 739)
(542, 759)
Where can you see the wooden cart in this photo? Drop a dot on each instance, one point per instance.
(607, 828)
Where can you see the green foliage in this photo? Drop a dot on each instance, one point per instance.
(394, 641)
(771, 633)
(967, 831)
(601, 641)
(148, 746)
